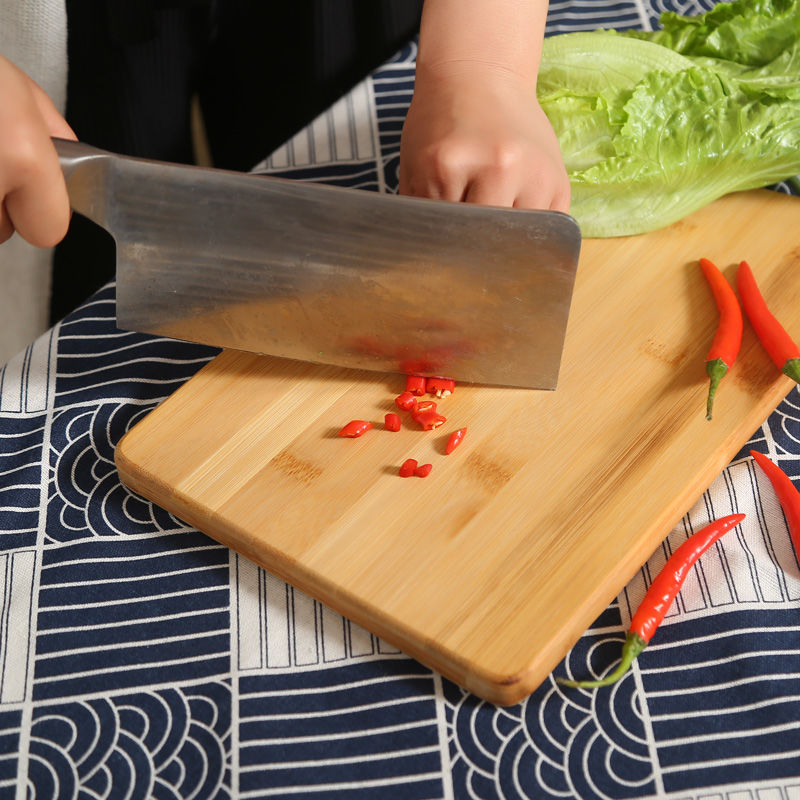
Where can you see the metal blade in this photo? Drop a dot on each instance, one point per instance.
(333, 275)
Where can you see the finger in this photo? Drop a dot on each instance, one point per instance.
(543, 193)
(439, 172)
(440, 185)
(57, 126)
(31, 181)
(38, 206)
(562, 197)
(491, 189)
(452, 191)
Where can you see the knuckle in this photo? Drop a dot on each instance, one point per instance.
(506, 158)
(445, 158)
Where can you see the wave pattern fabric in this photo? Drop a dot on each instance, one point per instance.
(140, 659)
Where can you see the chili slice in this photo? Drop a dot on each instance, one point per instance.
(423, 471)
(441, 387)
(392, 422)
(787, 494)
(405, 401)
(416, 384)
(728, 337)
(659, 597)
(422, 406)
(355, 428)
(454, 440)
(781, 347)
(408, 467)
(429, 420)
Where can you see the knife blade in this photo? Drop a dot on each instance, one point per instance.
(331, 275)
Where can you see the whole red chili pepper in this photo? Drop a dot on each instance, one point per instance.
(356, 428)
(781, 347)
(787, 494)
(728, 337)
(659, 597)
(454, 440)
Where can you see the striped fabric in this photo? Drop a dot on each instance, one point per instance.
(140, 659)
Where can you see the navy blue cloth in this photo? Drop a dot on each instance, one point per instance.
(139, 658)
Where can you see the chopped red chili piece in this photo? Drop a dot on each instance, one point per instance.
(422, 406)
(406, 401)
(416, 385)
(392, 422)
(441, 387)
(429, 420)
(455, 439)
(356, 428)
(423, 471)
(408, 467)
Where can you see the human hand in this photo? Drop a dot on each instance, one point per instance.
(476, 133)
(33, 195)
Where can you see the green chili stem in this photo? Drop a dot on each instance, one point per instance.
(634, 644)
(792, 369)
(715, 369)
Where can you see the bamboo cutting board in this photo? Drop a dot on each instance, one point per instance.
(493, 566)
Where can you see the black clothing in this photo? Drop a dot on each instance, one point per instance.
(261, 72)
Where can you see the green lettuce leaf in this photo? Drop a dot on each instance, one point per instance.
(750, 32)
(653, 126)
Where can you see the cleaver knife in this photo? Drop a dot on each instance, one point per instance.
(329, 274)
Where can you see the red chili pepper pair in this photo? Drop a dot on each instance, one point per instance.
(728, 337)
(659, 597)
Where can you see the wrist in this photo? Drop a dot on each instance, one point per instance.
(479, 67)
(473, 78)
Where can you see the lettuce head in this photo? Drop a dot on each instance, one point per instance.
(654, 125)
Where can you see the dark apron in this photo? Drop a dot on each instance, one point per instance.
(261, 72)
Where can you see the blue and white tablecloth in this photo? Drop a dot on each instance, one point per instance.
(139, 658)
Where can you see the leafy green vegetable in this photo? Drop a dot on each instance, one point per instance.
(654, 125)
(751, 32)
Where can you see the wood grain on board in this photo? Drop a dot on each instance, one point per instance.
(492, 567)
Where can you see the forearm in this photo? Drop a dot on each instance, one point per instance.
(501, 35)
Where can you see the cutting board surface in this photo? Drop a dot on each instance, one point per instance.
(491, 568)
